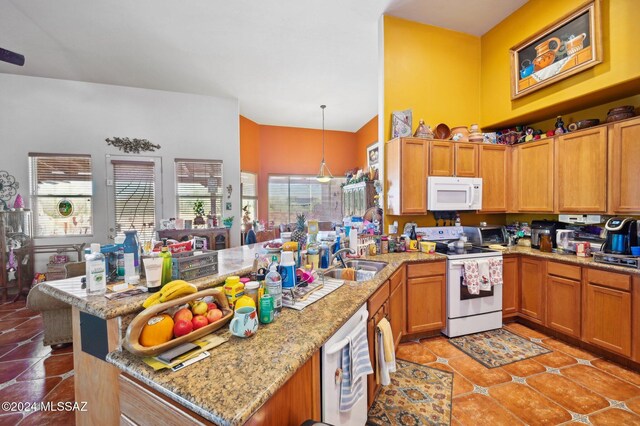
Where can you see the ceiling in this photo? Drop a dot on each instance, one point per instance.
(280, 58)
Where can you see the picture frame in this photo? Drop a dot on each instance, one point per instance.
(564, 48)
(228, 206)
(373, 155)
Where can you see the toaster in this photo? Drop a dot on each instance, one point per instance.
(484, 236)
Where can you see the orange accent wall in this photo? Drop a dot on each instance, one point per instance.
(249, 145)
(367, 135)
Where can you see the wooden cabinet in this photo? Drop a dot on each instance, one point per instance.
(406, 176)
(563, 293)
(532, 288)
(495, 173)
(441, 158)
(534, 176)
(510, 285)
(357, 198)
(624, 173)
(466, 159)
(374, 319)
(581, 171)
(426, 297)
(397, 304)
(607, 310)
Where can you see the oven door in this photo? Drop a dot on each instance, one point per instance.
(462, 304)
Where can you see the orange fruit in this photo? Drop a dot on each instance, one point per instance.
(158, 330)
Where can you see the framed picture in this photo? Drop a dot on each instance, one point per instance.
(373, 155)
(401, 123)
(227, 206)
(566, 47)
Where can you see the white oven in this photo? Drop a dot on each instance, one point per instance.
(453, 193)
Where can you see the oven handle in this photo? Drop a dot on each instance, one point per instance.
(341, 344)
(462, 262)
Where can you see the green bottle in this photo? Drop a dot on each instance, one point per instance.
(165, 254)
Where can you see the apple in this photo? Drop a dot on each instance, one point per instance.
(182, 327)
(199, 308)
(183, 314)
(211, 306)
(199, 321)
(214, 315)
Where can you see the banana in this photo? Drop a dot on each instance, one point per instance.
(168, 287)
(154, 299)
(178, 291)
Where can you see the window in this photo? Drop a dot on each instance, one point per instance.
(289, 195)
(61, 194)
(249, 184)
(135, 197)
(199, 180)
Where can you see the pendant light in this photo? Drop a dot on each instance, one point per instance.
(324, 175)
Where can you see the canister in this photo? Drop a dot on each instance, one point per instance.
(251, 290)
(233, 288)
(266, 309)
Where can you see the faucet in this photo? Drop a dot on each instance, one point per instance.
(338, 255)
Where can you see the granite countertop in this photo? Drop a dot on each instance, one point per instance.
(242, 374)
(233, 261)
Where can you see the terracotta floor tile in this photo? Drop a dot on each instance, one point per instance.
(617, 370)
(13, 306)
(64, 392)
(524, 368)
(48, 367)
(614, 417)
(28, 350)
(20, 313)
(12, 323)
(556, 359)
(9, 370)
(529, 405)
(7, 348)
(524, 331)
(18, 335)
(567, 393)
(634, 405)
(33, 390)
(476, 409)
(454, 422)
(10, 419)
(477, 373)
(568, 349)
(600, 382)
(460, 384)
(415, 352)
(40, 418)
(66, 350)
(441, 347)
(35, 322)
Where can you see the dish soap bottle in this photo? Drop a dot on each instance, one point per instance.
(95, 270)
(167, 266)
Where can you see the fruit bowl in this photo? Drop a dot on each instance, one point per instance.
(132, 337)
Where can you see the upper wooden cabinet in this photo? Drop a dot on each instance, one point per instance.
(581, 171)
(406, 175)
(534, 176)
(495, 172)
(624, 170)
(453, 159)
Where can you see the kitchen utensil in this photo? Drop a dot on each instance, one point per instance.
(443, 131)
(244, 322)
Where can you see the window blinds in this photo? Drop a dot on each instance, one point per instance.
(249, 184)
(199, 180)
(61, 194)
(290, 195)
(135, 197)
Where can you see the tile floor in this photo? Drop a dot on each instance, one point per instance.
(31, 372)
(566, 386)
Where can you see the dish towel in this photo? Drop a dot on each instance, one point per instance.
(471, 277)
(483, 273)
(355, 367)
(385, 353)
(495, 271)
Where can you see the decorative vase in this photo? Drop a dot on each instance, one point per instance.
(198, 220)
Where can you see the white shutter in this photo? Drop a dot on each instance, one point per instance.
(134, 187)
(199, 180)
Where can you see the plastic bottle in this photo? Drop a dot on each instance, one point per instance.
(131, 256)
(120, 261)
(458, 222)
(273, 283)
(167, 265)
(324, 255)
(96, 271)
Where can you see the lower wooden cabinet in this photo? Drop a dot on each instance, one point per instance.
(510, 285)
(426, 298)
(397, 305)
(532, 288)
(563, 305)
(374, 318)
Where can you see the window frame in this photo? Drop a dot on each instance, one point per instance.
(34, 196)
(249, 197)
(219, 214)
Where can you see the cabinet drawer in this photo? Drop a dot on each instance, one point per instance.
(397, 278)
(377, 299)
(609, 279)
(426, 269)
(563, 270)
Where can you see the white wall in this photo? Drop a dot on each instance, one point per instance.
(60, 116)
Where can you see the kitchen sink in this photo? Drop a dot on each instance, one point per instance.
(365, 269)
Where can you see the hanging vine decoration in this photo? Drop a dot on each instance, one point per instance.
(134, 146)
(8, 188)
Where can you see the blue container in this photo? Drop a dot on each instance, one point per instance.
(131, 254)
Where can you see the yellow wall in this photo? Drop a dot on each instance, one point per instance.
(618, 76)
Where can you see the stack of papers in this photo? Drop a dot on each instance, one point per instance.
(186, 354)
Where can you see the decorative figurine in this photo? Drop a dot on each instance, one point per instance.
(560, 129)
(423, 131)
(18, 203)
(528, 134)
(12, 266)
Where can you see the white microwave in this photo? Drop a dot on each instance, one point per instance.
(454, 193)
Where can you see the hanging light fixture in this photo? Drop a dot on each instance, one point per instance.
(324, 175)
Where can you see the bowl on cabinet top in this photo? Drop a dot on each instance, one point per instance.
(442, 131)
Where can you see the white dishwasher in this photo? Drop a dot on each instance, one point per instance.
(332, 361)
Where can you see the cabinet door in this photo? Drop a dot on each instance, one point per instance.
(372, 386)
(466, 159)
(413, 181)
(563, 305)
(534, 176)
(608, 318)
(397, 312)
(532, 288)
(426, 304)
(581, 171)
(510, 266)
(441, 158)
(495, 173)
(624, 173)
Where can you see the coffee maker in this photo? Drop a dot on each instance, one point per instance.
(622, 234)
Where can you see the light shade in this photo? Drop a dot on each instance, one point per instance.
(324, 175)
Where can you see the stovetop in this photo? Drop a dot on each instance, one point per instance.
(443, 235)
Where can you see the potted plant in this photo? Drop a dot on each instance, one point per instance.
(198, 210)
(228, 221)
